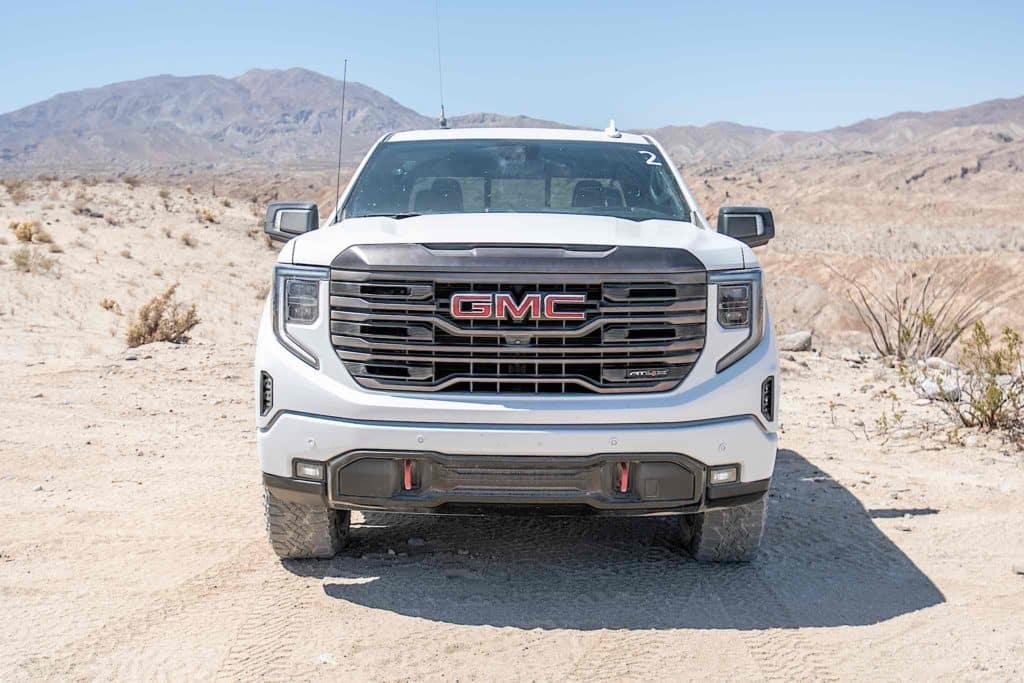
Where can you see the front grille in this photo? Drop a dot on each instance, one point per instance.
(639, 333)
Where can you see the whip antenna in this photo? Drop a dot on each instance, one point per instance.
(443, 122)
(341, 136)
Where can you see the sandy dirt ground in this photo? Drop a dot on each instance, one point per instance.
(132, 543)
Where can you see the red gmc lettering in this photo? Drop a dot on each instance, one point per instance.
(505, 306)
(480, 306)
(552, 300)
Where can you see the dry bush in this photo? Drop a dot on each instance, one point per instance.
(113, 221)
(226, 203)
(188, 189)
(206, 215)
(168, 234)
(189, 241)
(262, 290)
(32, 260)
(110, 305)
(920, 315)
(131, 181)
(164, 194)
(16, 188)
(30, 231)
(990, 382)
(162, 319)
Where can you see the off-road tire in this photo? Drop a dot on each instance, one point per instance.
(300, 531)
(727, 535)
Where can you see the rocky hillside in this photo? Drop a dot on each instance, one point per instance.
(291, 118)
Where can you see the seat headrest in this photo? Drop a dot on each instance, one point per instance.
(444, 195)
(588, 193)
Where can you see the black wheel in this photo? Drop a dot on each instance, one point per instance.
(728, 535)
(300, 531)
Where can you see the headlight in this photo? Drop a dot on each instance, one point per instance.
(297, 303)
(740, 305)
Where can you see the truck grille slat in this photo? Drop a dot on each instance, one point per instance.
(639, 332)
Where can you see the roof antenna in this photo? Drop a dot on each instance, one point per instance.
(611, 131)
(341, 135)
(443, 122)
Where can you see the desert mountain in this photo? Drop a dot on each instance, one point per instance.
(289, 118)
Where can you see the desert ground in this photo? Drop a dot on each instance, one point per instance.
(132, 542)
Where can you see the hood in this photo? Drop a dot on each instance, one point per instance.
(715, 251)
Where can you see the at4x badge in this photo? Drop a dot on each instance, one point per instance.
(471, 306)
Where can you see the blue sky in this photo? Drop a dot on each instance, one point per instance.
(793, 65)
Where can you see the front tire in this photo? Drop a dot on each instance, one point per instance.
(726, 535)
(300, 531)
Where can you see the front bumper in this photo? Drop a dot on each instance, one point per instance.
(472, 468)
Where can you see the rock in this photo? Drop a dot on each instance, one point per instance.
(851, 356)
(797, 341)
(131, 356)
(391, 551)
(938, 389)
(922, 402)
(327, 659)
(1019, 569)
(37, 489)
(936, 363)
(903, 526)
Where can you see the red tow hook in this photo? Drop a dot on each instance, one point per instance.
(407, 479)
(623, 468)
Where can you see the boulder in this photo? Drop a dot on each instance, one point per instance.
(938, 389)
(797, 341)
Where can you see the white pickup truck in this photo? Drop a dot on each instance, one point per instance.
(520, 320)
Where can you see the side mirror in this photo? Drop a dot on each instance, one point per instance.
(286, 220)
(752, 225)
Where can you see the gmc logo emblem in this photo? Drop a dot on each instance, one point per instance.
(501, 306)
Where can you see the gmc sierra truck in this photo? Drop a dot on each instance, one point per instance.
(517, 320)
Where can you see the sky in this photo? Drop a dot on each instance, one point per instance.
(780, 64)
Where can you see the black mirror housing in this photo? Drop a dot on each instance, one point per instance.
(286, 220)
(752, 225)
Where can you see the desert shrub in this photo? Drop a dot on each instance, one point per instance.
(30, 231)
(188, 189)
(206, 215)
(990, 380)
(32, 260)
(189, 241)
(109, 304)
(17, 189)
(162, 319)
(226, 203)
(131, 181)
(164, 194)
(919, 316)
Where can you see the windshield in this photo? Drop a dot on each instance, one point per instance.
(524, 176)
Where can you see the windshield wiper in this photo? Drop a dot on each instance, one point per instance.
(397, 216)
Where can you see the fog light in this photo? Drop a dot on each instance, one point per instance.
(309, 470)
(723, 475)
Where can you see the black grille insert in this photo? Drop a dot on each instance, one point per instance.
(395, 331)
